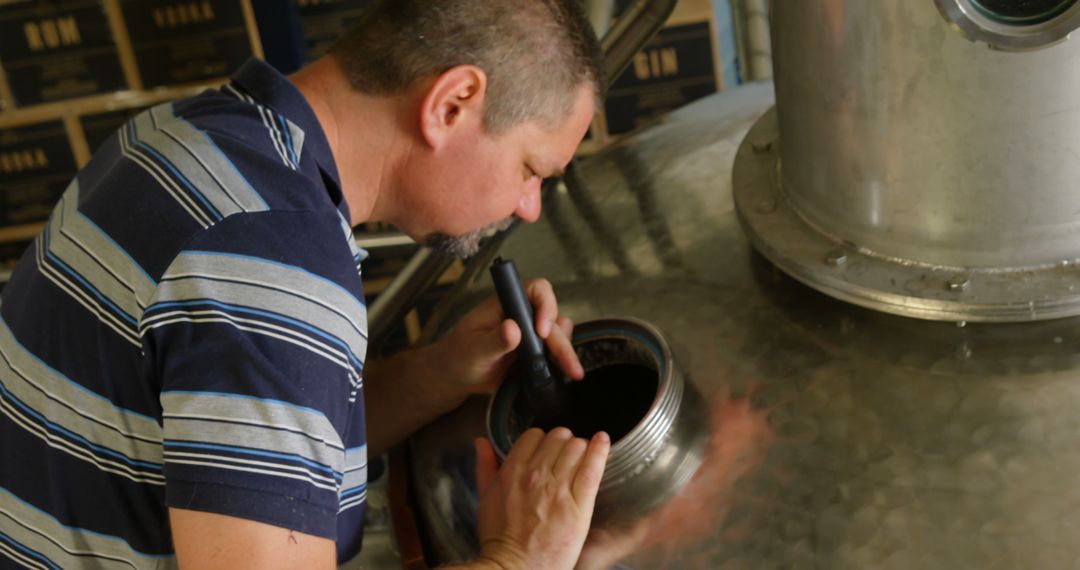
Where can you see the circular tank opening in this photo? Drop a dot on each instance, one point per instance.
(1012, 25)
(1022, 12)
(623, 374)
(611, 398)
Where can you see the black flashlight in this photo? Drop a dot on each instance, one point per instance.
(543, 390)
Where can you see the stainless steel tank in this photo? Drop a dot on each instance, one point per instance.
(911, 169)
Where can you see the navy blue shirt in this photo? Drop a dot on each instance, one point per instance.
(189, 330)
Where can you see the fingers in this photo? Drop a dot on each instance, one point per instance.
(558, 452)
(551, 449)
(486, 348)
(587, 480)
(524, 448)
(506, 337)
(567, 325)
(546, 308)
(486, 465)
(568, 461)
(562, 351)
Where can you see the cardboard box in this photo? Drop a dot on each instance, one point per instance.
(180, 42)
(679, 64)
(36, 165)
(57, 50)
(98, 127)
(10, 253)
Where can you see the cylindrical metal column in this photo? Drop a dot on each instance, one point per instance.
(902, 139)
(902, 136)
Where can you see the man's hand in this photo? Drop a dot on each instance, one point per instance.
(535, 511)
(413, 387)
(477, 354)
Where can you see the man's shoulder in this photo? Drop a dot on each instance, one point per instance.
(231, 112)
(245, 134)
(180, 169)
(218, 143)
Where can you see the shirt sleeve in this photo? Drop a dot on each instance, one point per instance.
(257, 334)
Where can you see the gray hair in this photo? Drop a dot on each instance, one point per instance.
(536, 53)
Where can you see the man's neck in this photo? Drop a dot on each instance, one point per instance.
(365, 136)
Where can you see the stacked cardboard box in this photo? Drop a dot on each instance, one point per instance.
(72, 71)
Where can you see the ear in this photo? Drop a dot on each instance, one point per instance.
(455, 100)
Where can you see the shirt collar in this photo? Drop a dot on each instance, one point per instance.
(272, 89)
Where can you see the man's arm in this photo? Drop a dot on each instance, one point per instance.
(208, 541)
(401, 394)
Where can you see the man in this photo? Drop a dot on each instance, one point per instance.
(182, 373)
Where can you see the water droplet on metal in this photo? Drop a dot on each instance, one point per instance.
(767, 206)
(836, 257)
(958, 283)
(961, 324)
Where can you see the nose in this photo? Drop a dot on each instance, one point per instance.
(529, 204)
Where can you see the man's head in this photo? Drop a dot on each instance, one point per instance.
(535, 53)
(504, 91)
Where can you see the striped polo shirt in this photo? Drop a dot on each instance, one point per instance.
(188, 331)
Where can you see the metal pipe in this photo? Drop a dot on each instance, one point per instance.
(390, 307)
(754, 38)
(637, 25)
(758, 42)
(600, 14)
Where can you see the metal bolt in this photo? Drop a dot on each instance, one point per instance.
(836, 257)
(958, 283)
(761, 146)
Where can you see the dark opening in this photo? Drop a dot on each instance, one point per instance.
(1022, 12)
(611, 398)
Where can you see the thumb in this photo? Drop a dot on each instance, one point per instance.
(486, 465)
(503, 339)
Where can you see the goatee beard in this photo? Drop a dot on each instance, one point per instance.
(466, 245)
